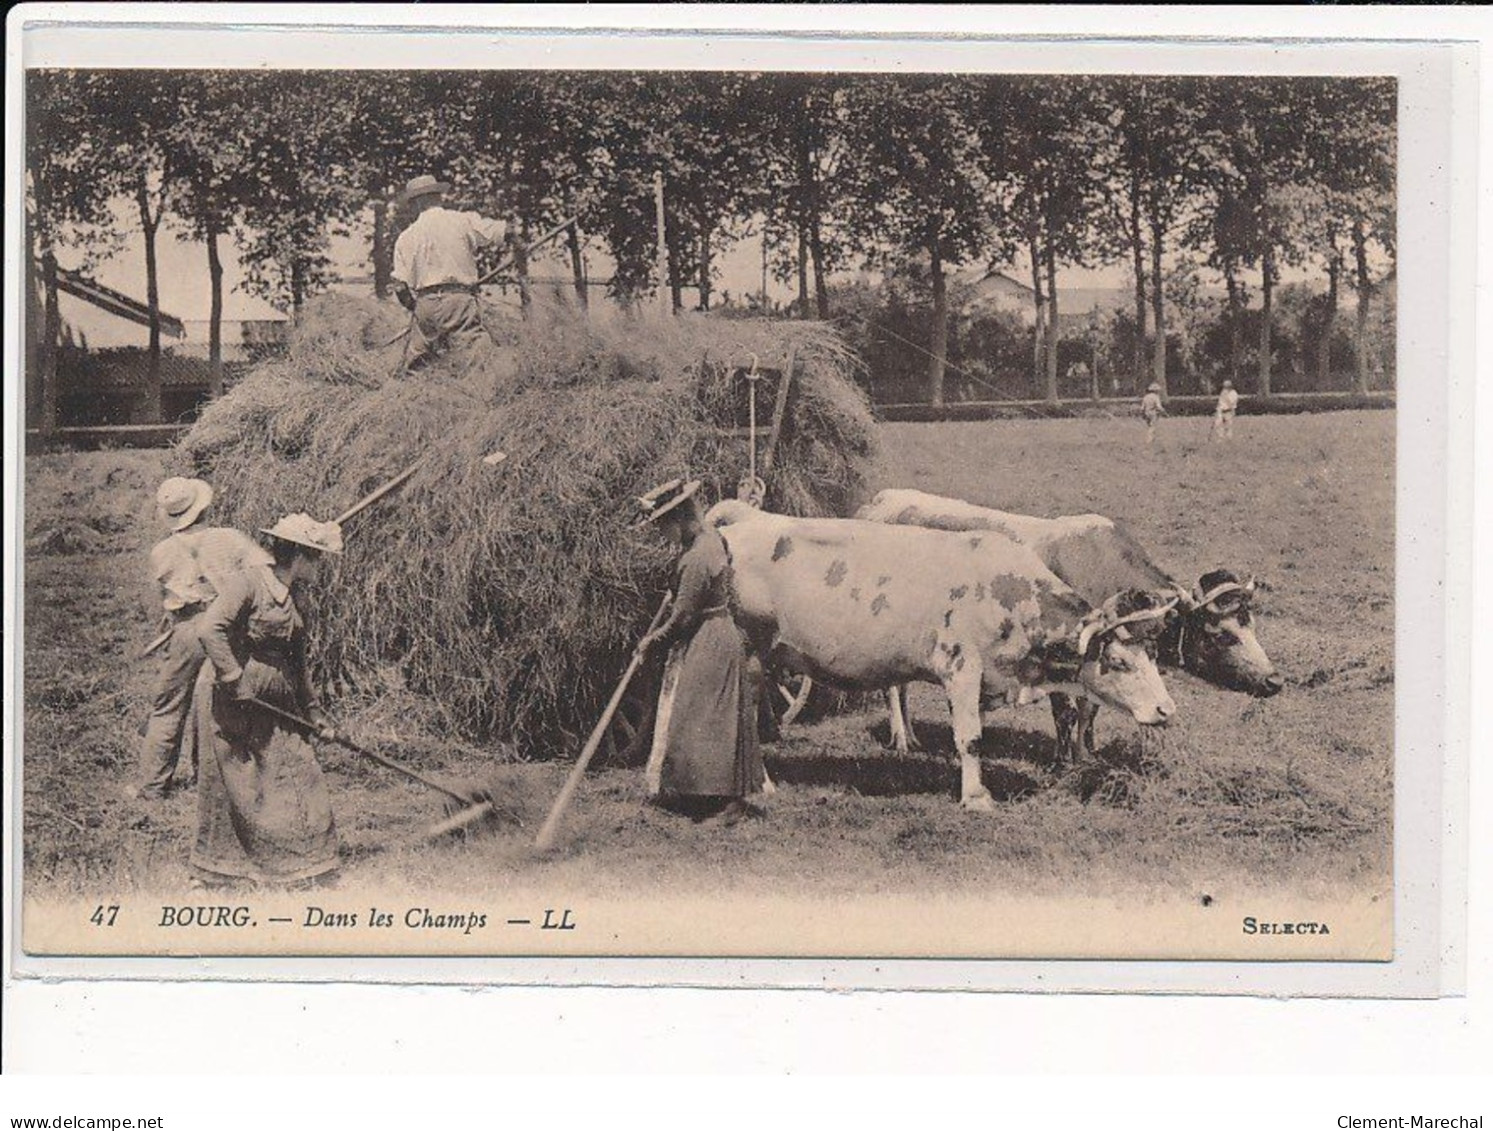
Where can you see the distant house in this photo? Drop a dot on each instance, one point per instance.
(994, 291)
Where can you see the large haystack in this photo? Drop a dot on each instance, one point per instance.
(510, 596)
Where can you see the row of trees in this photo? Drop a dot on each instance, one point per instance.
(1247, 175)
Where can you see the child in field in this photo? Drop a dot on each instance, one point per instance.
(1224, 412)
(189, 566)
(1151, 409)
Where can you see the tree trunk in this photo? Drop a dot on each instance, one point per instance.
(1329, 318)
(578, 267)
(1138, 263)
(51, 332)
(803, 271)
(383, 250)
(816, 255)
(1053, 319)
(1094, 369)
(1267, 290)
(1231, 281)
(518, 239)
(1361, 284)
(215, 312)
(1039, 331)
(661, 246)
(940, 324)
(151, 408)
(297, 283)
(703, 255)
(764, 271)
(1158, 306)
(34, 330)
(676, 267)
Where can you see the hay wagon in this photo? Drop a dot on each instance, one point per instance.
(510, 601)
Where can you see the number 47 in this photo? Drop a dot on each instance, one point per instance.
(104, 916)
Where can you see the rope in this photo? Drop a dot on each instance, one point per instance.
(1000, 394)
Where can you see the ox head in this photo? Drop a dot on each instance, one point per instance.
(1108, 653)
(1218, 641)
(1116, 645)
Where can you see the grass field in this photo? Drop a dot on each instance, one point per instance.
(1294, 792)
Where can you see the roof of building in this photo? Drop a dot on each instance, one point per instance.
(116, 303)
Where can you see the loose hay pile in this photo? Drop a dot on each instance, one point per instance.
(511, 597)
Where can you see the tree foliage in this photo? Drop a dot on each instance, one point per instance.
(925, 176)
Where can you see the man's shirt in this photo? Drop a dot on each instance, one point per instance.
(192, 565)
(1228, 400)
(440, 247)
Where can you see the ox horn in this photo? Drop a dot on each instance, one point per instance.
(1221, 590)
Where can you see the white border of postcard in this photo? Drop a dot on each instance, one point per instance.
(1438, 155)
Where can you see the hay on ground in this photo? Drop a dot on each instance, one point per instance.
(511, 596)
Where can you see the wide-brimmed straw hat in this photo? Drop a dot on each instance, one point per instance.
(423, 185)
(303, 530)
(180, 501)
(664, 498)
(1153, 387)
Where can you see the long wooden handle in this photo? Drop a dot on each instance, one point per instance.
(362, 751)
(546, 837)
(156, 643)
(460, 820)
(375, 495)
(535, 245)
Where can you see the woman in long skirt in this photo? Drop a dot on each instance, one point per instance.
(263, 810)
(705, 756)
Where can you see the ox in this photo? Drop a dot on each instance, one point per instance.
(869, 605)
(1210, 634)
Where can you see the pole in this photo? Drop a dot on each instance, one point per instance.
(665, 303)
(546, 838)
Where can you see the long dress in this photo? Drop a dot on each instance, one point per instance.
(705, 735)
(263, 808)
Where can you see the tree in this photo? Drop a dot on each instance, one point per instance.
(300, 139)
(1039, 139)
(1161, 150)
(916, 183)
(208, 151)
(137, 119)
(70, 178)
(801, 188)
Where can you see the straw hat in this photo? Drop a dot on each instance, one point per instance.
(1153, 387)
(423, 185)
(1228, 384)
(664, 498)
(180, 501)
(303, 530)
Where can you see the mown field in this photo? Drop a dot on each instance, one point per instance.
(1293, 792)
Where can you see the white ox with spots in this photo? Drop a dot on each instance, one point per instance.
(1210, 633)
(867, 605)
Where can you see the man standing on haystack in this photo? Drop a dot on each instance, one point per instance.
(435, 270)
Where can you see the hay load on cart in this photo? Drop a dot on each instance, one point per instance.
(509, 596)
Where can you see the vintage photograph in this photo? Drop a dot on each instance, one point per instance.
(709, 513)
